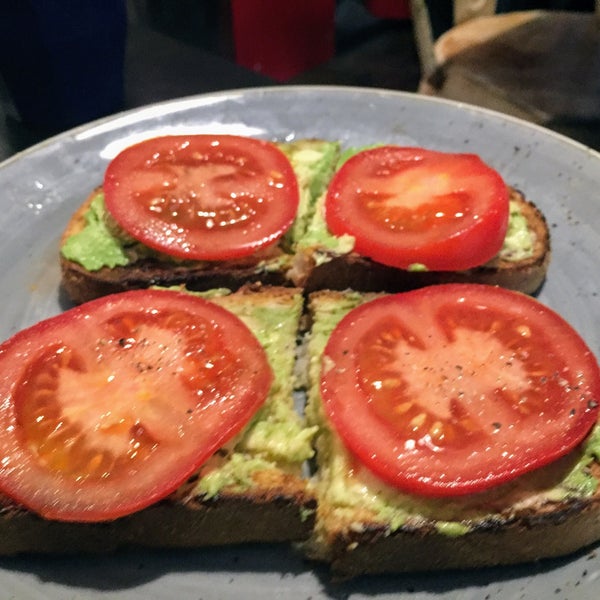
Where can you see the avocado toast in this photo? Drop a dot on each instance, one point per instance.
(255, 489)
(365, 526)
(251, 490)
(98, 258)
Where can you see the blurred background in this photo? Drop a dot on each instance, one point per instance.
(539, 61)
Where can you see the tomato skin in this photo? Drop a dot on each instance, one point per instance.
(453, 389)
(112, 405)
(202, 197)
(412, 206)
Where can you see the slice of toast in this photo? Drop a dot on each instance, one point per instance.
(136, 267)
(131, 265)
(253, 490)
(364, 526)
(322, 262)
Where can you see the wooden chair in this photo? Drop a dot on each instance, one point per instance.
(542, 66)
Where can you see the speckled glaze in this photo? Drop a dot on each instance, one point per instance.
(40, 188)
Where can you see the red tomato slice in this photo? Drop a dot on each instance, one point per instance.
(202, 197)
(410, 206)
(111, 406)
(452, 389)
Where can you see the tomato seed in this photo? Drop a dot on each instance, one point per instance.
(469, 424)
(437, 431)
(403, 408)
(418, 421)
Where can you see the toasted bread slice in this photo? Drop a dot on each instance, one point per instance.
(253, 490)
(140, 268)
(364, 526)
(127, 265)
(322, 263)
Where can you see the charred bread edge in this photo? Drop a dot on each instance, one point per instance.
(282, 513)
(82, 285)
(570, 526)
(277, 507)
(555, 528)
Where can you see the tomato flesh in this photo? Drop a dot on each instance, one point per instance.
(452, 389)
(111, 406)
(202, 197)
(409, 207)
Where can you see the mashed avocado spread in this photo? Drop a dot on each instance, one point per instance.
(96, 245)
(277, 437)
(314, 163)
(519, 240)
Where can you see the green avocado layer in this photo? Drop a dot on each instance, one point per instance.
(314, 162)
(97, 245)
(277, 437)
(344, 489)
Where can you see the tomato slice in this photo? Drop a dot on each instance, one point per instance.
(202, 197)
(111, 406)
(452, 389)
(409, 207)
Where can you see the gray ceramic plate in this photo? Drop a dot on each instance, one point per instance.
(42, 186)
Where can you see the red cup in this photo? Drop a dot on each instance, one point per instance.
(283, 39)
(389, 9)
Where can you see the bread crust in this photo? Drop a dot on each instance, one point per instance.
(82, 285)
(277, 509)
(556, 530)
